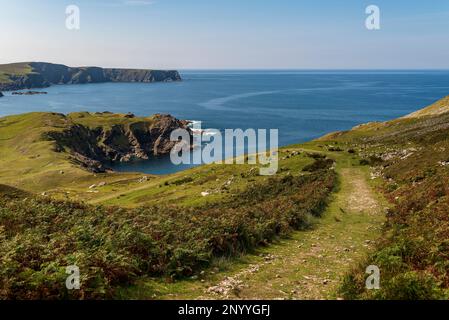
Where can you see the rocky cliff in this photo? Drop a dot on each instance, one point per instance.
(124, 139)
(41, 74)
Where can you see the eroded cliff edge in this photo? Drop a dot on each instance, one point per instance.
(30, 75)
(95, 140)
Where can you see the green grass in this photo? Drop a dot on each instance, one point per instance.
(29, 162)
(301, 262)
(105, 119)
(13, 69)
(412, 255)
(114, 246)
(210, 178)
(170, 230)
(165, 212)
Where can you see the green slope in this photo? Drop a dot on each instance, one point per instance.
(114, 247)
(29, 160)
(308, 264)
(171, 231)
(19, 69)
(410, 158)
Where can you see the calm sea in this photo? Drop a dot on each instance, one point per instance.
(302, 104)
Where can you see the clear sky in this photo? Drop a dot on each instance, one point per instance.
(191, 34)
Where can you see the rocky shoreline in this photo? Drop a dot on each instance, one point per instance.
(42, 75)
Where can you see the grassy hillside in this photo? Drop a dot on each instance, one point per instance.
(20, 69)
(132, 227)
(307, 264)
(439, 107)
(410, 157)
(113, 247)
(29, 160)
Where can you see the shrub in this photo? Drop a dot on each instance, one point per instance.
(371, 161)
(114, 246)
(411, 286)
(319, 164)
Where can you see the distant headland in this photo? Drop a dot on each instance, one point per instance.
(28, 75)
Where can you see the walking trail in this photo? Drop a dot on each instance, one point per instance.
(308, 265)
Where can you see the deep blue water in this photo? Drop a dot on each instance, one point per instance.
(302, 104)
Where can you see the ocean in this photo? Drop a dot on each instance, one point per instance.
(302, 105)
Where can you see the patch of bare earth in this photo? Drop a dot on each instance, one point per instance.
(361, 198)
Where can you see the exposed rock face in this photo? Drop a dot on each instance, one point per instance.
(45, 74)
(135, 75)
(95, 148)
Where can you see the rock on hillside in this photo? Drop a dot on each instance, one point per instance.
(41, 74)
(95, 140)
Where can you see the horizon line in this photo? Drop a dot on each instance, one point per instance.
(255, 68)
(319, 69)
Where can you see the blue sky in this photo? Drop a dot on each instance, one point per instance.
(191, 34)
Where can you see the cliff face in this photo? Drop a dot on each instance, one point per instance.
(95, 147)
(135, 75)
(45, 74)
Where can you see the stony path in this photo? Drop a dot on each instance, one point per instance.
(308, 265)
(311, 264)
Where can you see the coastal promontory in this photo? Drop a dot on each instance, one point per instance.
(58, 148)
(94, 140)
(28, 75)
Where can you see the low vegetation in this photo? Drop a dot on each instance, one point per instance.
(39, 149)
(410, 158)
(122, 228)
(113, 246)
(17, 69)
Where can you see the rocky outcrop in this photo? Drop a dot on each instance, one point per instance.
(95, 148)
(28, 93)
(136, 75)
(45, 74)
